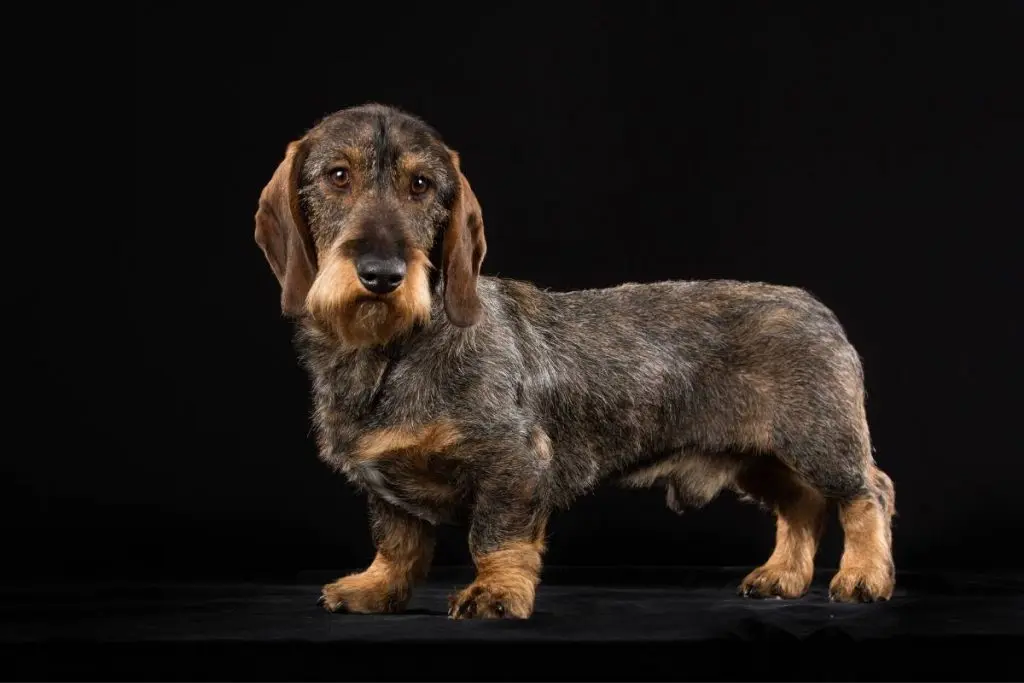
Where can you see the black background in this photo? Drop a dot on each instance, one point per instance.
(872, 158)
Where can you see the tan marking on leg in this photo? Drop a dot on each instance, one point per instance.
(403, 558)
(800, 522)
(866, 570)
(505, 585)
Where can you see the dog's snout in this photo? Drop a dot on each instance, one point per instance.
(380, 276)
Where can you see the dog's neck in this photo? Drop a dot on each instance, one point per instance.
(357, 376)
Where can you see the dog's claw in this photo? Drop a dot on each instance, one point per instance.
(453, 607)
(465, 610)
(321, 601)
(480, 603)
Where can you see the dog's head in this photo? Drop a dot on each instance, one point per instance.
(349, 220)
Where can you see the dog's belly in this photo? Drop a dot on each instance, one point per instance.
(691, 478)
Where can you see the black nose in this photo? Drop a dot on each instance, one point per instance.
(380, 276)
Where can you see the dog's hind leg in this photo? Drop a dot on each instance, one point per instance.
(866, 569)
(800, 521)
(838, 463)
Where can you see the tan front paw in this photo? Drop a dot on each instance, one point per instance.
(775, 582)
(857, 584)
(491, 600)
(364, 593)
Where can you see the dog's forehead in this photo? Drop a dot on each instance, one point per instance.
(379, 131)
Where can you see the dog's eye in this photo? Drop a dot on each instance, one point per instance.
(419, 184)
(339, 176)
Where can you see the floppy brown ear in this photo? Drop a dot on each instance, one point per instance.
(464, 249)
(282, 234)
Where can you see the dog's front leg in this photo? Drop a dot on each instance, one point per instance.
(506, 540)
(405, 548)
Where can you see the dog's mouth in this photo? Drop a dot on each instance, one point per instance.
(371, 298)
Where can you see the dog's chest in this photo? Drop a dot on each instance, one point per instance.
(424, 493)
(413, 466)
(378, 424)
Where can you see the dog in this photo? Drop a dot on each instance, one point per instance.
(450, 397)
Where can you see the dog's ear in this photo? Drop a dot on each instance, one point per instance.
(282, 233)
(464, 249)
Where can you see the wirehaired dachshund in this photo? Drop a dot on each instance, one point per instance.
(447, 396)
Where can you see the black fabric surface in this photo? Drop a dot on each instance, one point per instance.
(589, 624)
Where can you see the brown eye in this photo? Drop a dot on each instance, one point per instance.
(419, 184)
(339, 176)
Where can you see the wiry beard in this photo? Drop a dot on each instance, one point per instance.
(339, 304)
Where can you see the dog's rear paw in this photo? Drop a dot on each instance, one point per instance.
(775, 582)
